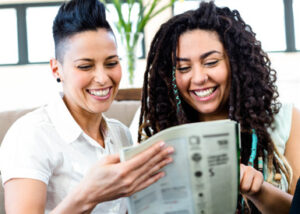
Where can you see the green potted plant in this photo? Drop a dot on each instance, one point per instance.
(130, 30)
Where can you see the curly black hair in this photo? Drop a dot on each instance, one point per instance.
(253, 94)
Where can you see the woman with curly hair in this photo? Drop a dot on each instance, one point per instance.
(206, 64)
(63, 157)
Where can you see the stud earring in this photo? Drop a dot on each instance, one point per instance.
(58, 79)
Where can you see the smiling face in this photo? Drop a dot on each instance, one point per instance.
(90, 72)
(203, 73)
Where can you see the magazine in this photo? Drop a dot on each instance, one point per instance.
(203, 177)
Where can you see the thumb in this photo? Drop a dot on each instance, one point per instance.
(110, 159)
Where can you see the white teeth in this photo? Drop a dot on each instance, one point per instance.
(204, 93)
(100, 93)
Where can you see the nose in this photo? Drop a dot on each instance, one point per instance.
(199, 76)
(101, 75)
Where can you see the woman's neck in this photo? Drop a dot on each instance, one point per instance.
(88, 122)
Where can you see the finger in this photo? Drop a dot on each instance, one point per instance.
(158, 150)
(143, 177)
(247, 179)
(156, 162)
(257, 183)
(110, 159)
(142, 174)
(242, 169)
(151, 180)
(160, 166)
(155, 168)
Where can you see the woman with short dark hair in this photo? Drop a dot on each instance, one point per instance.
(62, 157)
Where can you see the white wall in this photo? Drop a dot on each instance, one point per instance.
(288, 74)
(25, 86)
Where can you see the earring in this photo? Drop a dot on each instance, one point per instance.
(58, 80)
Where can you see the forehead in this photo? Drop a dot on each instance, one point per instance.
(90, 44)
(200, 41)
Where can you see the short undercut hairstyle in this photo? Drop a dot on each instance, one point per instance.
(77, 16)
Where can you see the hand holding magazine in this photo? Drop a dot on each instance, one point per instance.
(204, 175)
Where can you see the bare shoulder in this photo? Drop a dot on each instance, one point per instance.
(292, 151)
(294, 139)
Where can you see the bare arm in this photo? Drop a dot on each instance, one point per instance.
(24, 196)
(292, 151)
(266, 197)
(106, 180)
(271, 200)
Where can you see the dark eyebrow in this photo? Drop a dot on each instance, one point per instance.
(113, 56)
(83, 59)
(203, 56)
(91, 60)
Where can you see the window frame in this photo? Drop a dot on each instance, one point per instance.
(289, 26)
(22, 29)
(23, 51)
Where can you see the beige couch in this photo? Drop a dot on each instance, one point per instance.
(121, 109)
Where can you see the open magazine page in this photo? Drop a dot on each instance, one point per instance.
(203, 177)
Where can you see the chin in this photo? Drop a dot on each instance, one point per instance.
(98, 109)
(207, 110)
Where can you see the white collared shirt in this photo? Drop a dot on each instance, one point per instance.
(48, 145)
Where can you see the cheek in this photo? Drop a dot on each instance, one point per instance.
(228, 86)
(222, 76)
(225, 82)
(116, 78)
(182, 82)
(82, 80)
(77, 79)
(117, 75)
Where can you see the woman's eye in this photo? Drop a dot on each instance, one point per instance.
(183, 69)
(211, 63)
(112, 64)
(84, 67)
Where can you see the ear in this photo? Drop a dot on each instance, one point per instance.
(56, 68)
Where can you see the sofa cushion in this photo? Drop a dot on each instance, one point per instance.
(123, 111)
(7, 118)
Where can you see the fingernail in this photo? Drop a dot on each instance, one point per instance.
(170, 150)
(170, 160)
(162, 144)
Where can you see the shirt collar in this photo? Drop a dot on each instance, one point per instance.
(62, 120)
(66, 125)
(106, 129)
